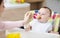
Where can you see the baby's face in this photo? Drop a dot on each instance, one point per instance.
(44, 14)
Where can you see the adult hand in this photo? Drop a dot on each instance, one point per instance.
(27, 17)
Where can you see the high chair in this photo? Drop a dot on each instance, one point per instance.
(55, 18)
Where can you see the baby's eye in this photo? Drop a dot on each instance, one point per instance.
(43, 14)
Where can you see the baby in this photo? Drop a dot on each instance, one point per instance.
(41, 25)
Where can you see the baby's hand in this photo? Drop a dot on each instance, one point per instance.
(28, 28)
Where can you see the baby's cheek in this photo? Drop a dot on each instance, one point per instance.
(43, 16)
(47, 18)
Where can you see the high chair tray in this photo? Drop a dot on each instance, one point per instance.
(25, 34)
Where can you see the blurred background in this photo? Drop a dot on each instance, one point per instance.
(15, 9)
(53, 4)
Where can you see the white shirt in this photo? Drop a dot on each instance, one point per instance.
(40, 27)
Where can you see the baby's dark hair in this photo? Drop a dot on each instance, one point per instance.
(48, 9)
(1, 1)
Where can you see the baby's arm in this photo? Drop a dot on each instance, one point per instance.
(29, 25)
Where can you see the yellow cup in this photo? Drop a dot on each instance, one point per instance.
(13, 35)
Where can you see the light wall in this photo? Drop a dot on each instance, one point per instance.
(53, 4)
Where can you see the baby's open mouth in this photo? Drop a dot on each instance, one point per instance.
(38, 17)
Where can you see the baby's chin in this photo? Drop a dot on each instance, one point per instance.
(43, 20)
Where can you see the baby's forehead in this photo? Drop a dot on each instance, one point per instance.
(44, 10)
